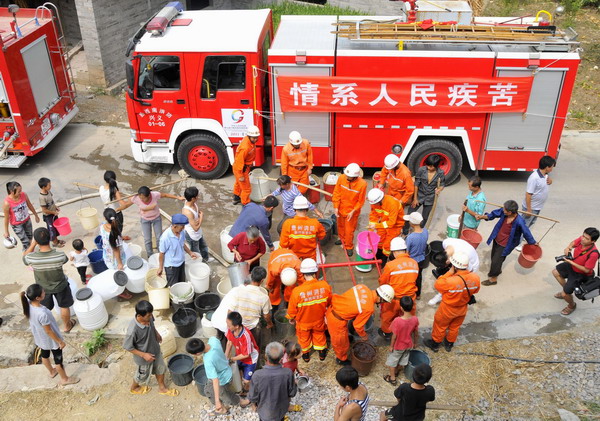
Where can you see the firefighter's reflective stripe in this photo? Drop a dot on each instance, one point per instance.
(313, 302)
(358, 306)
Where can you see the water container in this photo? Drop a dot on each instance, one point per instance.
(367, 244)
(225, 239)
(62, 225)
(206, 302)
(199, 375)
(328, 226)
(153, 260)
(329, 181)
(98, 242)
(452, 225)
(185, 321)
(90, 310)
(366, 268)
(260, 188)
(135, 249)
(98, 265)
(415, 358)
(223, 288)
(363, 357)
(472, 237)
(168, 346)
(314, 196)
(276, 245)
(158, 293)
(181, 367)
(189, 262)
(376, 179)
(236, 377)
(108, 284)
(219, 317)
(303, 382)
(239, 273)
(136, 271)
(182, 295)
(88, 217)
(283, 328)
(73, 286)
(199, 276)
(207, 328)
(529, 256)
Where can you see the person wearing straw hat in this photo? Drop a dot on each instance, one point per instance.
(243, 161)
(401, 273)
(297, 160)
(457, 287)
(348, 199)
(307, 308)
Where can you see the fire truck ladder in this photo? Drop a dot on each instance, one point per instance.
(70, 91)
(436, 32)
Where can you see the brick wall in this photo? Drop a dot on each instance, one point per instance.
(70, 21)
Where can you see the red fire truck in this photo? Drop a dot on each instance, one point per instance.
(493, 93)
(37, 93)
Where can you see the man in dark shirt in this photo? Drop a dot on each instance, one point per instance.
(412, 397)
(273, 386)
(143, 341)
(505, 235)
(257, 215)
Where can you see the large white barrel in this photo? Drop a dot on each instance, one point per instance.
(208, 329)
(73, 286)
(90, 310)
(199, 277)
(260, 187)
(225, 239)
(108, 284)
(136, 271)
(168, 345)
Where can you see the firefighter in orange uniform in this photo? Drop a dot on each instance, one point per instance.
(356, 304)
(398, 178)
(301, 234)
(297, 160)
(283, 268)
(348, 198)
(387, 218)
(457, 287)
(307, 308)
(401, 273)
(243, 161)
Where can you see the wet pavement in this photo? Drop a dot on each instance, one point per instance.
(522, 304)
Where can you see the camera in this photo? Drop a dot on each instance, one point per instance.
(563, 257)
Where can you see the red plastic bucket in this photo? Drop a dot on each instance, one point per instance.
(62, 225)
(376, 179)
(529, 256)
(314, 196)
(329, 182)
(471, 236)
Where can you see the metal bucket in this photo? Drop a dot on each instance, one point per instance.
(239, 273)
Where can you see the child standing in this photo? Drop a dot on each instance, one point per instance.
(404, 335)
(246, 350)
(46, 334)
(290, 357)
(79, 257)
(49, 210)
(412, 397)
(15, 212)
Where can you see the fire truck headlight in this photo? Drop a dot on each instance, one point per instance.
(133, 134)
(55, 119)
(397, 149)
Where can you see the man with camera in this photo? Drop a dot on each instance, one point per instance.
(576, 266)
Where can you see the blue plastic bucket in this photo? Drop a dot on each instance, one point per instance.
(415, 359)
(98, 242)
(97, 262)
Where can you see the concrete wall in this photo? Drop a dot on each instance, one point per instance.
(70, 20)
(107, 26)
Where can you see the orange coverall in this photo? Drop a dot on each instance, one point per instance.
(307, 306)
(348, 196)
(279, 260)
(453, 308)
(358, 304)
(297, 162)
(401, 273)
(399, 182)
(388, 221)
(301, 234)
(244, 158)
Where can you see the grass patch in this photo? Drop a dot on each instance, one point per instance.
(96, 342)
(292, 8)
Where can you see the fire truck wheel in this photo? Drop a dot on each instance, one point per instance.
(451, 158)
(203, 156)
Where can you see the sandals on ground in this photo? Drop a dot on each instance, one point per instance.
(568, 310)
(488, 283)
(558, 295)
(72, 322)
(142, 390)
(170, 392)
(388, 379)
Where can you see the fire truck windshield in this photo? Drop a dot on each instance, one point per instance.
(158, 72)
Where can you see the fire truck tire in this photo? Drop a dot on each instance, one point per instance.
(451, 161)
(203, 156)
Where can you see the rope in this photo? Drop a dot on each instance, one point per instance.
(525, 360)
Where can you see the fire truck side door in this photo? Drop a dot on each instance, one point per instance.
(226, 93)
(162, 96)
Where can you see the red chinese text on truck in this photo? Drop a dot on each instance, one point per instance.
(492, 94)
(37, 93)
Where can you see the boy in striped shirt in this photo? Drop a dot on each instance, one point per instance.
(246, 350)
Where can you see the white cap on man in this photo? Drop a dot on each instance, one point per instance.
(414, 218)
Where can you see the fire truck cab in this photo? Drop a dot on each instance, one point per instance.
(195, 80)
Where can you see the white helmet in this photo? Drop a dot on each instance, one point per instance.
(253, 131)
(397, 244)
(391, 161)
(10, 242)
(295, 138)
(288, 276)
(375, 196)
(309, 266)
(352, 170)
(386, 292)
(459, 260)
(300, 202)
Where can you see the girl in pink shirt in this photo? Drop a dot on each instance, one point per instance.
(16, 209)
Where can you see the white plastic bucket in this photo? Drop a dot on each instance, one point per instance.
(225, 239)
(135, 249)
(236, 378)
(168, 346)
(158, 293)
(90, 310)
(452, 225)
(199, 277)
(88, 217)
(153, 260)
(208, 329)
(260, 187)
(189, 262)
(223, 288)
(182, 293)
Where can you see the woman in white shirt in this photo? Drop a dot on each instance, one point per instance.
(109, 191)
(193, 230)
